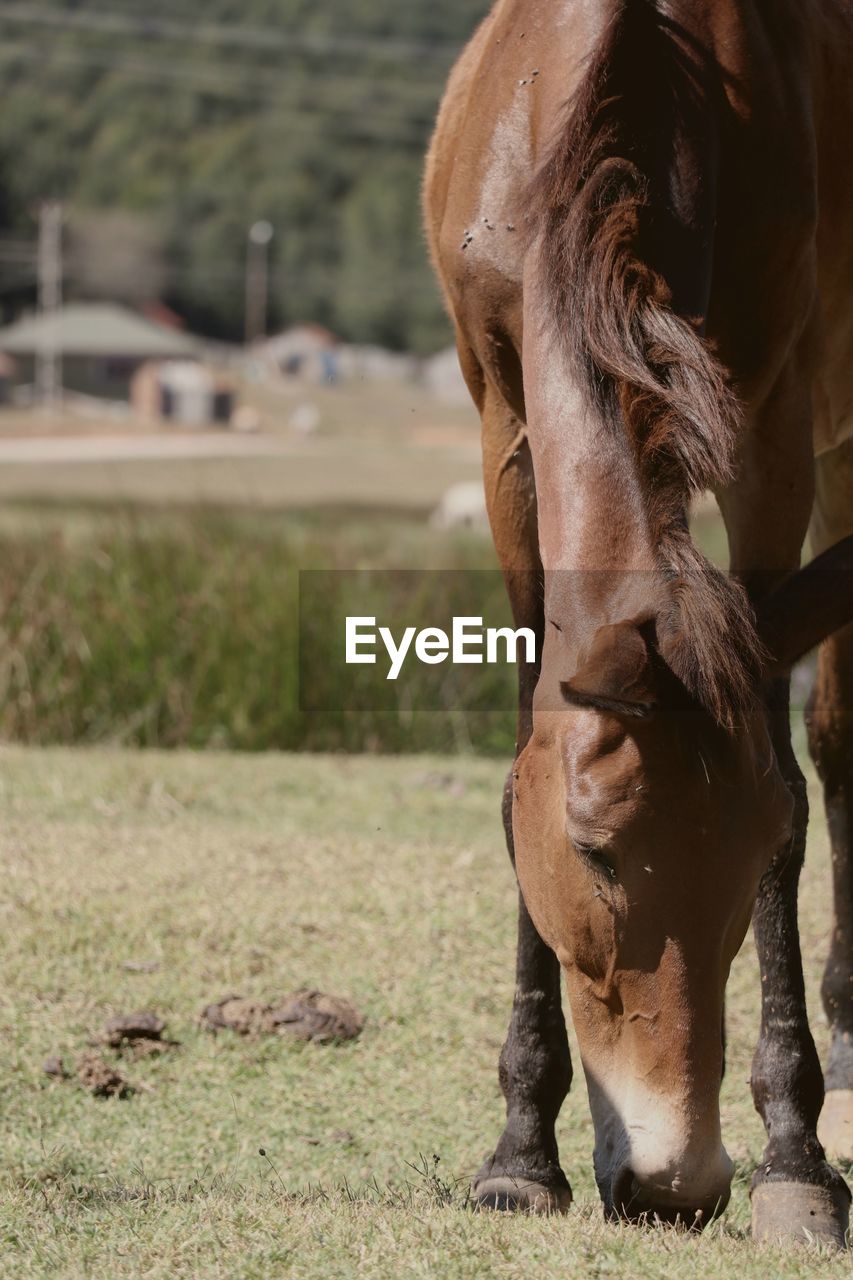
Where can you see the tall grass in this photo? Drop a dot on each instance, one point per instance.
(183, 630)
(170, 628)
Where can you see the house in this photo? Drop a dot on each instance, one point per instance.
(102, 346)
(182, 391)
(306, 351)
(312, 354)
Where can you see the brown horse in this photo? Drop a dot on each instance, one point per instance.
(641, 212)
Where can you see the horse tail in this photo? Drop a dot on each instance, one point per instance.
(624, 210)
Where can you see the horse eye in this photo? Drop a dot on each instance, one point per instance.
(597, 860)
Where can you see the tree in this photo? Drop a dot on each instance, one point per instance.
(198, 119)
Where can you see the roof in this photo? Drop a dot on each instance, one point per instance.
(301, 339)
(96, 329)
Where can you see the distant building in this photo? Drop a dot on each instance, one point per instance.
(377, 364)
(160, 314)
(7, 376)
(181, 391)
(102, 346)
(306, 351)
(311, 354)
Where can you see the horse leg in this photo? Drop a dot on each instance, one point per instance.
(794, 1190)
(535, 1066)
(830, 723)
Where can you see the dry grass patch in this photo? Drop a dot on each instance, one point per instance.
(161, 881)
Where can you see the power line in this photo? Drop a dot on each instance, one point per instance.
(212, 75)
(407, 284)
(79, 267)
(426, 92)
(110, 22)
(352, 118)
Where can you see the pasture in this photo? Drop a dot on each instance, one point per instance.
(179, 627)
(374, 445)
(162, 882)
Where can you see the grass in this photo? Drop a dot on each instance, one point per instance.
(183, 629)
(179, 628)
(380, 880)
(376, 444)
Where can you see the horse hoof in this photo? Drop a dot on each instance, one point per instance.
(790, 1211)
(515, 1195)
(835, 1129)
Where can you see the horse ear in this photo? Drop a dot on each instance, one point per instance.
(807, 608)
(615, 673)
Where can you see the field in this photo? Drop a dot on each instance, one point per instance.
(181, 627)
(165, 881)
(374, 445)
(185, 628)
(152, 603)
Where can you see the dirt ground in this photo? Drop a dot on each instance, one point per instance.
(164, 882)
(372, 445)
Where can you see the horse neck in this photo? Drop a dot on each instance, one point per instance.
(596, 534)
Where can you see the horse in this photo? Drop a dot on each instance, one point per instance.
(640, 214)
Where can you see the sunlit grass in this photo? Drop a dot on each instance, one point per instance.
(384, 881)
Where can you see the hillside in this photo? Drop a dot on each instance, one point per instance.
(192, 121)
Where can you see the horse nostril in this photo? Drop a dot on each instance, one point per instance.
(652, 1200)
(625, 1193)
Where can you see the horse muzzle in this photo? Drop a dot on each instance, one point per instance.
(689, 1193)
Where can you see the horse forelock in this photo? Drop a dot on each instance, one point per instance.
(597, 205)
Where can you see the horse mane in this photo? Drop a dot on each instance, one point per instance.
(625, 252)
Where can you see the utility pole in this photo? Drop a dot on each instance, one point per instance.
(49, 355)
(257, 280)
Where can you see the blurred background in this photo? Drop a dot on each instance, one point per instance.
(223, 360)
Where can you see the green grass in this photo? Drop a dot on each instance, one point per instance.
(381, 880)
(181, 629)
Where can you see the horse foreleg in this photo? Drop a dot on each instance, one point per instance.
(830, 725)
(535, 1073)
(794, 1189)
(535, 1066)
(830, 722)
